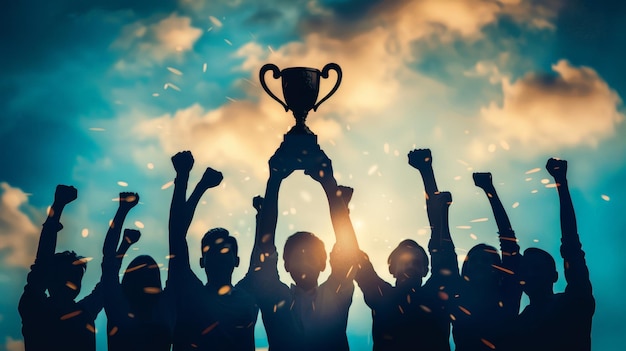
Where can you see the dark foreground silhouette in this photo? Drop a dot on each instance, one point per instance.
(215, 315)
(480, 304)
(57, 322)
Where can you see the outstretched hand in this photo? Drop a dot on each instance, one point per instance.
(557, 168)
(131, 236)
(128, 200)
(483, 180)
(211, 178)
(321, 170)
(420, 159)
(183, 161)
(280, 165)
(257, 203)
(346, 193)
(64, 194)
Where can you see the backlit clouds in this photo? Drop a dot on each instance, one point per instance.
(18, 234)
(158, 41)
(573, 106)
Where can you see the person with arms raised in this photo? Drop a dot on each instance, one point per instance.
(488, 294)
(140, 314)
(307, 315)
(556, 321)
(57, 322)
(409, 315)
(215, 315)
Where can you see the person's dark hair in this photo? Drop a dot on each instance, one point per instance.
(407, 245)
(62, 261)
(541, 257)
(220, 235)
(316, 246)
(142, 276)
(483, 250)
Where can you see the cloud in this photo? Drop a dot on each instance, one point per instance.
(18, 233)
(411, 20)
(158, 41)
(573, 106)
(14, 345)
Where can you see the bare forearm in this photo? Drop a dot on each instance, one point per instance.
(499, 214)
(113, 234)
(568, 215)
(268, 218)
(340, 217)
(48, 238)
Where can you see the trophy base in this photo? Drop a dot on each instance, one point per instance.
(303, 148)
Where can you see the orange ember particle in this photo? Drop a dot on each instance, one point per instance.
(224, 290)
(206, 248)
(488, 343)
(90, 328)
(71, 315)
(443, 295)
(224, 250)
(82, 261)
(266, 238)
(452, 317)
(71, 285)
(400, 308)
(132, 269)
(465, 310)
(425, 308)
(219, 240)
(113, 331)
(408, 299)
(502, 269)
(209, 328)
(152, 290)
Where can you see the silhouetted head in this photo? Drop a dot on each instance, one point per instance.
(305, 258)
(537, 272)
(408, 262)
(219, 254)
(479, 267)
(141, 282)
(66, 275)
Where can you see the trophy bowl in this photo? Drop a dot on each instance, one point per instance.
(301, 86)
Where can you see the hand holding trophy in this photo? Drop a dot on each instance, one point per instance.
(300, 90)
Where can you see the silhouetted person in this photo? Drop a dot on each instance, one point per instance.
(488, 292)
(57, 322)
(409, 316)
(140, 315)
(215, 315)
(557, 321)
(305, 316)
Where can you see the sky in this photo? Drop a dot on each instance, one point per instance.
(100, 95)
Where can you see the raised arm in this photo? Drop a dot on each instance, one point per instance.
(508, 244)
(280, 167)
(36, 282)
(422, 160)
(441, 248)
(126, 202)
(182, 211)
(344, 256)
(576, 271)
(47, 241)
(484, 181)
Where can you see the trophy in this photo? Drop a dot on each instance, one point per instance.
(301, 87)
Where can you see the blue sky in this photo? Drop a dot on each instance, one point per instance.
(101, 95)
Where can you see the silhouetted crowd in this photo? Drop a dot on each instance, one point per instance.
(479, 305)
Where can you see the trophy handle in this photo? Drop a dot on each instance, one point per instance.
(324, 74)
(276, 75)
